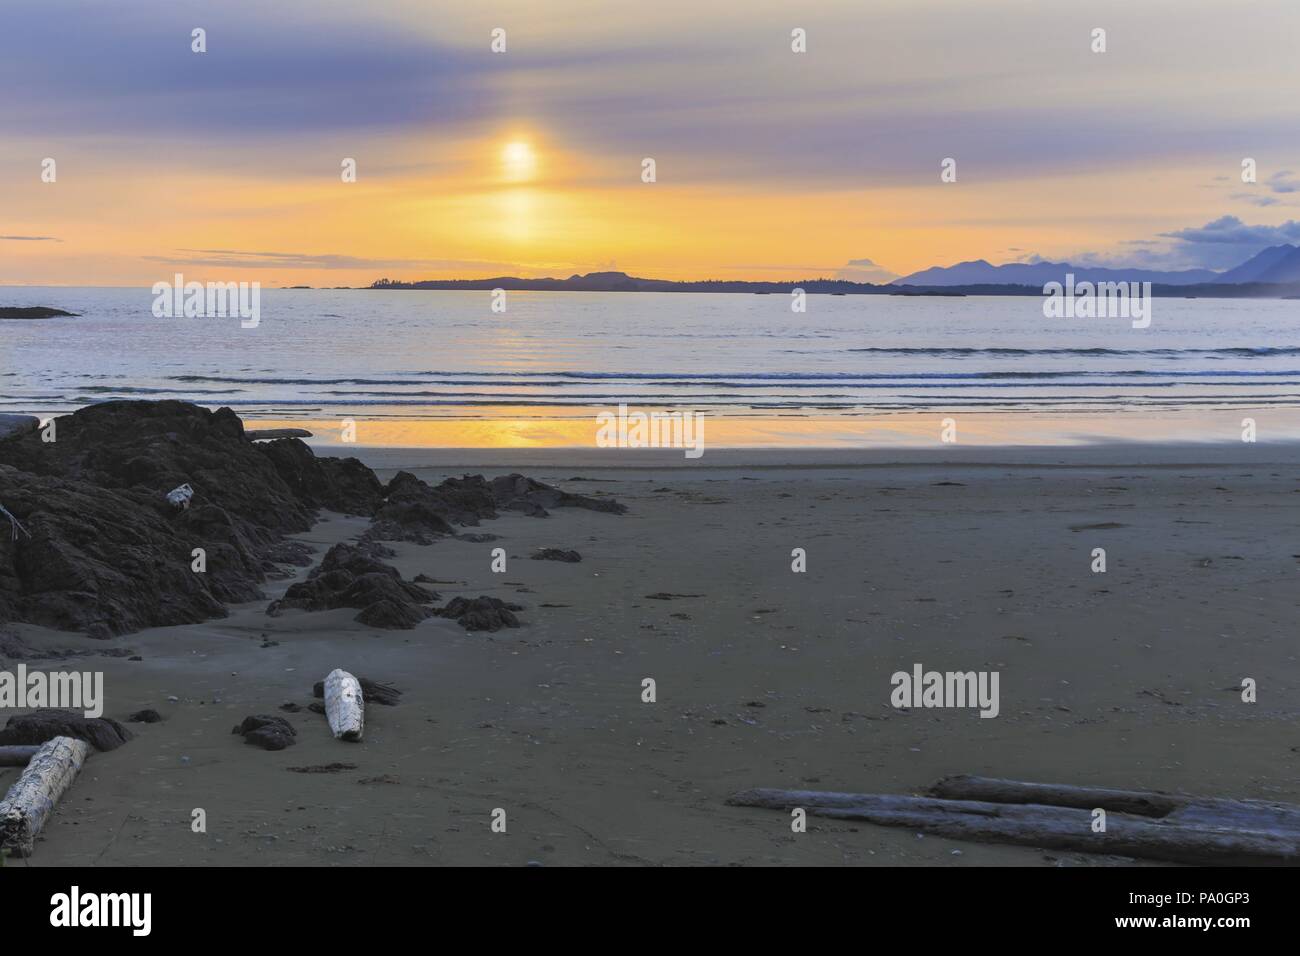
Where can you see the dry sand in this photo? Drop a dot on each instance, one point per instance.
(766, 678)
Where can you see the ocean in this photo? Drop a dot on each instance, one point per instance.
(536, 373)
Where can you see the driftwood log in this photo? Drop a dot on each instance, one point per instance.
(1150, 825)
(374, 691)
(344, 705)
(32, 799)
(17, 755)
(271, 434)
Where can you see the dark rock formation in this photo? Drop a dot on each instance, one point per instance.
(146, 716)
(106, 562)
(102, 733)
(481, 613)
(267, 732)
(32, 312)
(101, 550)
(18, 424)
(416, 511)
(94, 546)
(556, 554)
(518, 493)
(337, 484)
(351, 576)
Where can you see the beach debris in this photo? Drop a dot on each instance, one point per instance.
(180, 496)
(32, 799)
(15, 525)
(103, 733)
(375, 692)
(344, 705)
(482, 613)
(556, 554)
(323, 768)
(1138, 823)
(266, 731)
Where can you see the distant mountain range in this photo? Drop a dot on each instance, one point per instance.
(1277, 264)
(982, 272)
(1273, 273)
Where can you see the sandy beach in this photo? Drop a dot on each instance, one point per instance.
(972, 559)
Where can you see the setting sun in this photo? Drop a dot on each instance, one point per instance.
(519, 161)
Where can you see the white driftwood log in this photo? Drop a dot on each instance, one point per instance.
(344, 706)
(31, 800)
(17, 755)
(1201, 832)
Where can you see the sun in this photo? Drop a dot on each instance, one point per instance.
(519, 161)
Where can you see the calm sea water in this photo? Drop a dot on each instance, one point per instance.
(422, 355)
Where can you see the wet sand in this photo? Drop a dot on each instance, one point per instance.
(956, 561)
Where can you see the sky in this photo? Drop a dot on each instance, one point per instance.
(769, 164)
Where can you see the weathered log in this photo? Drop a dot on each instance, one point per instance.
(374, 691)
(271, 434)
(344, 705)
(1170, 807)
(18, 755)
(1205, 838)
(31, 800)
(1141, 802)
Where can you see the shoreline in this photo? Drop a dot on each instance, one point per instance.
(1100, 456)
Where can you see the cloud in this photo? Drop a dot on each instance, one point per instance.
(864, 270)
(1221, 244)
(723, 101)
(30, 239)
(265, 74)
(1283, 181)
(1255, 199)
(1229, 230)
(237, 259)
